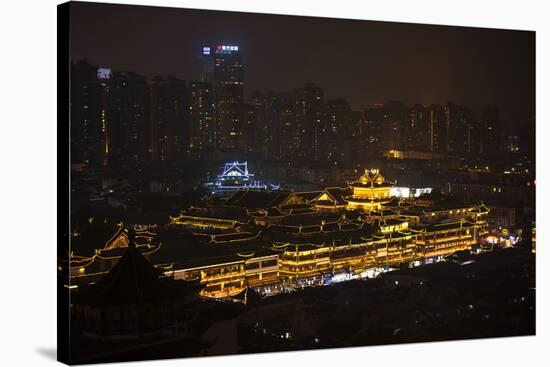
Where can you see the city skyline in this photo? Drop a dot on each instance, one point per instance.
(465, 65)
(244, 183)
(121, 119)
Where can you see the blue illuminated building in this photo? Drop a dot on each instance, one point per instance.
(236, 176)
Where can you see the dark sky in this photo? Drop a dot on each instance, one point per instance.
(362, 61)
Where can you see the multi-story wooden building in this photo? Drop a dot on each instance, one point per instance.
(277, 241)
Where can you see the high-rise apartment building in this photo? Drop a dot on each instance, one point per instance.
(309, 107)
(459, 129)
(490, 130)
(89, 118)
(170, 138)
(416, 129)
(382, 127)
(335, 124)
(223, 67)
(128, 114)
(202, 117)
(109, 114)
(437, 134)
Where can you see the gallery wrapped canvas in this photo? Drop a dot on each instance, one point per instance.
(235, 183)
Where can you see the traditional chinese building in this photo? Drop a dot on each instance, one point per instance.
(235, 175)
(130, 301)
(370, 191)
(273, 241)
(97, 250)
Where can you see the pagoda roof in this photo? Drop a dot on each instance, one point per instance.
(481, 208)
(353, 214)
(252, 199)
(325, 202)
(308, 195)
(332, 196)
(349, 225)
(241, 168)
(448, 225)
(94, 236)
(393, 221)
(190, 252)
(103, 238)
(411, 212)
(268, 213)
(296, 207)
(387, 222)
(383, 213)
(345, 233)
(395, 202)
(356, 199)
(308, 220)
(373, 179)
(448, 207)
(234, 237)
(218, 213)
(132, 281)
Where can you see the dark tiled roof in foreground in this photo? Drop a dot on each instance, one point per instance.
(132, 281)
(252, 199)
(339, 194)
(446, 226)
(308, 195)
(187, 253)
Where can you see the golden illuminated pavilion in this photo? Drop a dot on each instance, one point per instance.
(370, 191)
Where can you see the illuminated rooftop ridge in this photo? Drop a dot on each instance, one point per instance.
(371, 178)
(236, 169)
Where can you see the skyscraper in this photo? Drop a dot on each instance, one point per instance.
(337, 117)
(285, 103)
(309, 106)
(394, 126)
(371, 129)
(128, 111)
(437, 135)
(383, 127)
(270, 130)
(223, 67)
(417, 129)
(169, 119)
(89, 114)
(491, 130)
(458, 127)
(202, 117)
(262, 127)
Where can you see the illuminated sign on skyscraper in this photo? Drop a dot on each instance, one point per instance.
(220, 50)
(103, 73)
(223, 67)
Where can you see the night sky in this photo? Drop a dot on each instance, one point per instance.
(364, 62)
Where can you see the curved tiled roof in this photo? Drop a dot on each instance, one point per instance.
(372, 178)
(251, 199)
(367, 200)
(132, 281)
(269, 213)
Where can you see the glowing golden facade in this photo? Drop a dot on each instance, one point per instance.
(283, 241)
(370, 192)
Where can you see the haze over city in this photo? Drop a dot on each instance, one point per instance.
(361, 61)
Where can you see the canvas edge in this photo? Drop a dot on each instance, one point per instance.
(63, 176)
